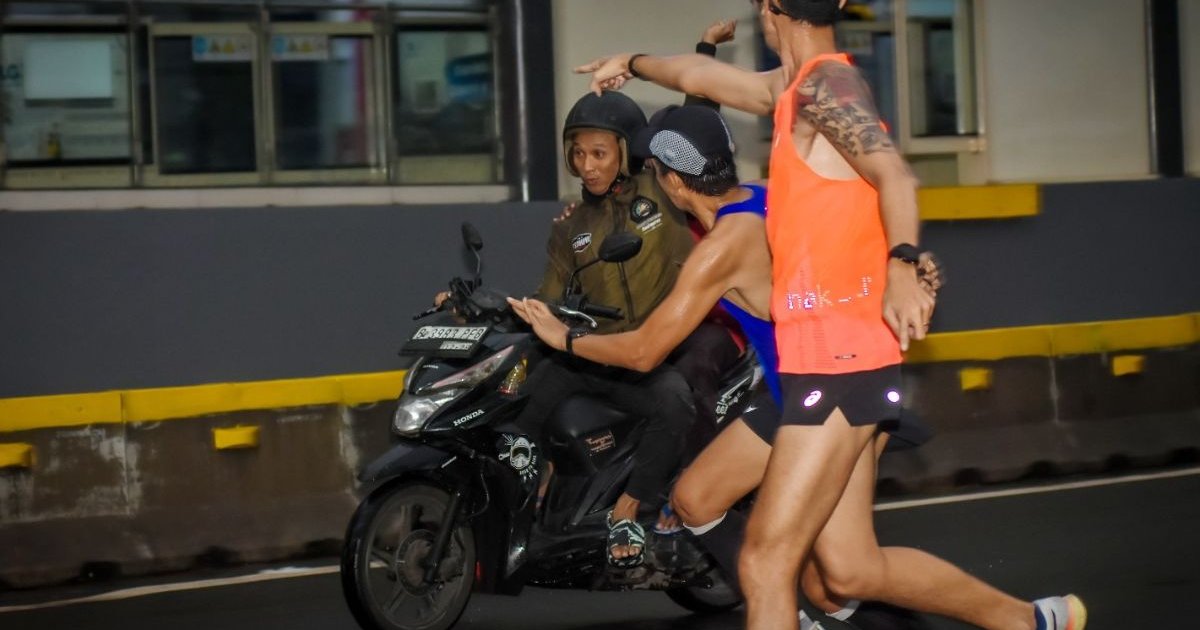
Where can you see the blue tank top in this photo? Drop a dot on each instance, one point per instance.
(760, 332)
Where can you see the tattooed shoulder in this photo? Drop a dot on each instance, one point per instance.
(836, 100)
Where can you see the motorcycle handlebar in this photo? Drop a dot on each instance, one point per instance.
(599, 310)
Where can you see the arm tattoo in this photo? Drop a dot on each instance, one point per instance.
(836, 100)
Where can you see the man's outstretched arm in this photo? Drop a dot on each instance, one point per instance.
(724, 83)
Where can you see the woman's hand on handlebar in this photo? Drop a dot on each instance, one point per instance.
(545, 325)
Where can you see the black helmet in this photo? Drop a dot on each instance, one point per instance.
(611, 111)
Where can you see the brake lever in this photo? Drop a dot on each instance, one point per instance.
(570, 312)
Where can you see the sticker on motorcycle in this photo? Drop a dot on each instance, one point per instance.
(581, 242)
(600, 443)
(520, 453)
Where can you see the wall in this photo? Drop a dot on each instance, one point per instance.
(1189, 35)
(95, 301)
(1066, 90)
(146, 298)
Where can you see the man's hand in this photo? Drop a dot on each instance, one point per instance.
(930, 274)
(907, 307)
(719, 32)
(441, 298)
(608, 73)
(545, 325)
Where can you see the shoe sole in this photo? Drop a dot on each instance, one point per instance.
(1077, 612)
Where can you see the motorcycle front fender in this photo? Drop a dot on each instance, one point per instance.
(405, 457)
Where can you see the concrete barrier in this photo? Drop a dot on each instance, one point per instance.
(136, 497)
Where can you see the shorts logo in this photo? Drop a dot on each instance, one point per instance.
(813, 398)
(893, 396)
(642, 209)
(581, 242)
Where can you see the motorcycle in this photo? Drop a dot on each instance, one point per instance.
(453, 506)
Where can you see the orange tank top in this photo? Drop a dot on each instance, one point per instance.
(829, 256)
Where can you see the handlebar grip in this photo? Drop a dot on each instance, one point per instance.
(599, 310)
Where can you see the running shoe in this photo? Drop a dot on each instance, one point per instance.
(1060, 613)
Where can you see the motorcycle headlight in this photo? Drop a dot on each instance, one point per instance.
(416, 408)
(413, 411)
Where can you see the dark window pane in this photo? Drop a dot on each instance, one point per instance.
(323, 101)
(204, 108)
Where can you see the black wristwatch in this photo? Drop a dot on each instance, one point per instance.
(632, 72)
(906, 252)
(572, 335)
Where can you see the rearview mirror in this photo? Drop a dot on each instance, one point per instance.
(620, 246)
(471, 237)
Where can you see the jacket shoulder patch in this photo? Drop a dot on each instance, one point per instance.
(580, 242)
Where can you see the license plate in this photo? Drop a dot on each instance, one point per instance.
(445, 341)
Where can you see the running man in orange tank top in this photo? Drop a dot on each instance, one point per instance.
(842, 224)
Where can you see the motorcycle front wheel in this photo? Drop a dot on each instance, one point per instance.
(384, 561)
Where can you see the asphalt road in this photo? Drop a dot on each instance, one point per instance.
(1130, 549)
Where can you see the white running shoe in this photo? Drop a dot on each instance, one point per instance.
(1062, 613)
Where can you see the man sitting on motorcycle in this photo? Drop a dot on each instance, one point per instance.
(618, 196)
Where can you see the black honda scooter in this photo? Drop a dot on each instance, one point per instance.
(452, 508)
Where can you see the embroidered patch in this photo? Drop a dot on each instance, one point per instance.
(642, 209)
(581, 242)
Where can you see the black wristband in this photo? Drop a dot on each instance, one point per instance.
(630, 65)
(906, 252)
(706, 48)
(572, 335)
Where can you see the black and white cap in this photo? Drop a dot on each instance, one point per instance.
(685, 138)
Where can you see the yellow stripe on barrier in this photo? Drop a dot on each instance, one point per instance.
(167, 403)
(979, 202)
(1057, 340)
(68, 410)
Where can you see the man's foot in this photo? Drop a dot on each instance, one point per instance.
(1060, 613)
(626, 539)
(668, 522)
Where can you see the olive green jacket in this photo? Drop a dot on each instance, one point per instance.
(638, 285)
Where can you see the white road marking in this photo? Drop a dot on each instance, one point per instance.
(142, 591)
(295, 572)
(1014, 492)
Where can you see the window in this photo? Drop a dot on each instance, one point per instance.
(65, 98)
(919, 58)
(445, 109)
(246, 93)
(204, 100)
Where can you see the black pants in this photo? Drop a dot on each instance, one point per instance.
(664, 396)
(703, 359)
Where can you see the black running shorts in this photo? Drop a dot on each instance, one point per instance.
(870, 397)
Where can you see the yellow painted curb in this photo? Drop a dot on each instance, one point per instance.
(18, 455)
(235, 438)
(68, 410)
(1057, 340)
(979, 202)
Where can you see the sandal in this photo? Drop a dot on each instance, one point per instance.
(625, 533)
(668, 515)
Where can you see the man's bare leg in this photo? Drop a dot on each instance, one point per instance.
(853, 566)
(807, 472)
(726, 470)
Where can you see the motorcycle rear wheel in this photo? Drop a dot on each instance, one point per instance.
(718, 598)
(383, 562)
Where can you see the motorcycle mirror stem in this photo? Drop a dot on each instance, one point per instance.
(474, 242)
(616, 248)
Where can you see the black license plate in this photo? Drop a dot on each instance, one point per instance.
(455, 342)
